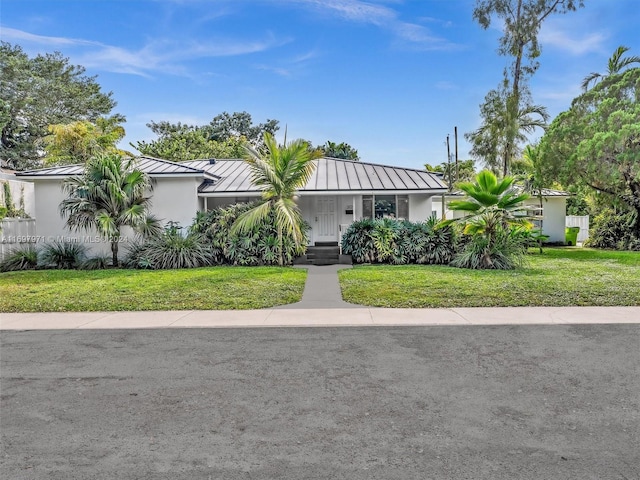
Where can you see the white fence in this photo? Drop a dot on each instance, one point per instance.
(16, 233)
(579, 221)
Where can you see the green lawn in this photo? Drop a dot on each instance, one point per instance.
(559, 277)
(217, 288)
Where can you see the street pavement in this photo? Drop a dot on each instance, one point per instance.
(498, 402)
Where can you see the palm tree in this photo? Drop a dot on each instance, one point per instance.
(109, 195)
(505, 126)
(491, 207)
(615, 65)
(279, 171)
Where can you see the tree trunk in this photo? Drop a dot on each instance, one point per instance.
(280, 249)
(114, 252)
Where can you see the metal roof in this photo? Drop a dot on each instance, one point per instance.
(330, 175)
(148, 165)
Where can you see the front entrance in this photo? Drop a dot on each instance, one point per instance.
(325, 225)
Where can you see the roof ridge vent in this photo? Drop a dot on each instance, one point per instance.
(212, 161)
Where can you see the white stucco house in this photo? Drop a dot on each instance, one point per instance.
(338, 193)
(552, 214)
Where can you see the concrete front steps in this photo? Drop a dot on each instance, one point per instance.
(324, 253)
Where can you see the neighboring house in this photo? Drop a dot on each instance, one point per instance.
(338, 193)
(553, 214)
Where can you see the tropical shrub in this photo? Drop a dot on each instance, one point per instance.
(257, 245)
(613, 231)
(399, 242)
(171, 249)
(505, 251)
(22, 258)
(64, 255)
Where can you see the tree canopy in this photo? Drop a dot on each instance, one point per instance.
(597, 141)
(339, 150)
(77, 142)
(223, 137)
(465, 172)
(38, 92)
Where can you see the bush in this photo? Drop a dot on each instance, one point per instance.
(614, 231)
(100, 262)
(256, 247)
(506, 251)
(65, 255)
(170, 250)
(399, 242)
(21, 258)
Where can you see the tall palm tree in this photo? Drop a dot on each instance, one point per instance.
(505, 126)
(109, 195)
(279, 171)
(615, 65)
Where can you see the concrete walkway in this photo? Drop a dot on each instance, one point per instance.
(321, 306)
(322, 288)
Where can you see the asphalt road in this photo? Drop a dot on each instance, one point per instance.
(472, 402)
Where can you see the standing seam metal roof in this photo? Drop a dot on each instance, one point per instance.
(148, 165)
(330, 174)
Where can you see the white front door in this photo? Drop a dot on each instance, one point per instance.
(325, 226)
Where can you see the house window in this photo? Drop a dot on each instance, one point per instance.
(385, 206)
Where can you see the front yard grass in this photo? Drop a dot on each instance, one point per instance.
(216, 288)
(558, 277)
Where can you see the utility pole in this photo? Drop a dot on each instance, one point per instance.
(449, 164)
(455, 131)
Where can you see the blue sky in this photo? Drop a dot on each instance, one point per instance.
(390, 77)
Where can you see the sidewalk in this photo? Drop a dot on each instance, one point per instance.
(343, 317)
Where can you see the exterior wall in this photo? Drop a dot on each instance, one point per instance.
(173, 199)
(420, 207)
(553, 218)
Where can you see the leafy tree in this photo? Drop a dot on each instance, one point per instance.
(491, 208)
(339, 150)
(38, 92)
(77, 142)
(237, 125)
(617, 63)
(223, 137)
(109, 195)
(466, 171)
(190, 143)
(521, 21)
(597, 141)
(279, 171)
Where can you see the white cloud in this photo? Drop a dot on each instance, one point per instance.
(381, 16)
(164, 56)
(9, 34)
(593, 42)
